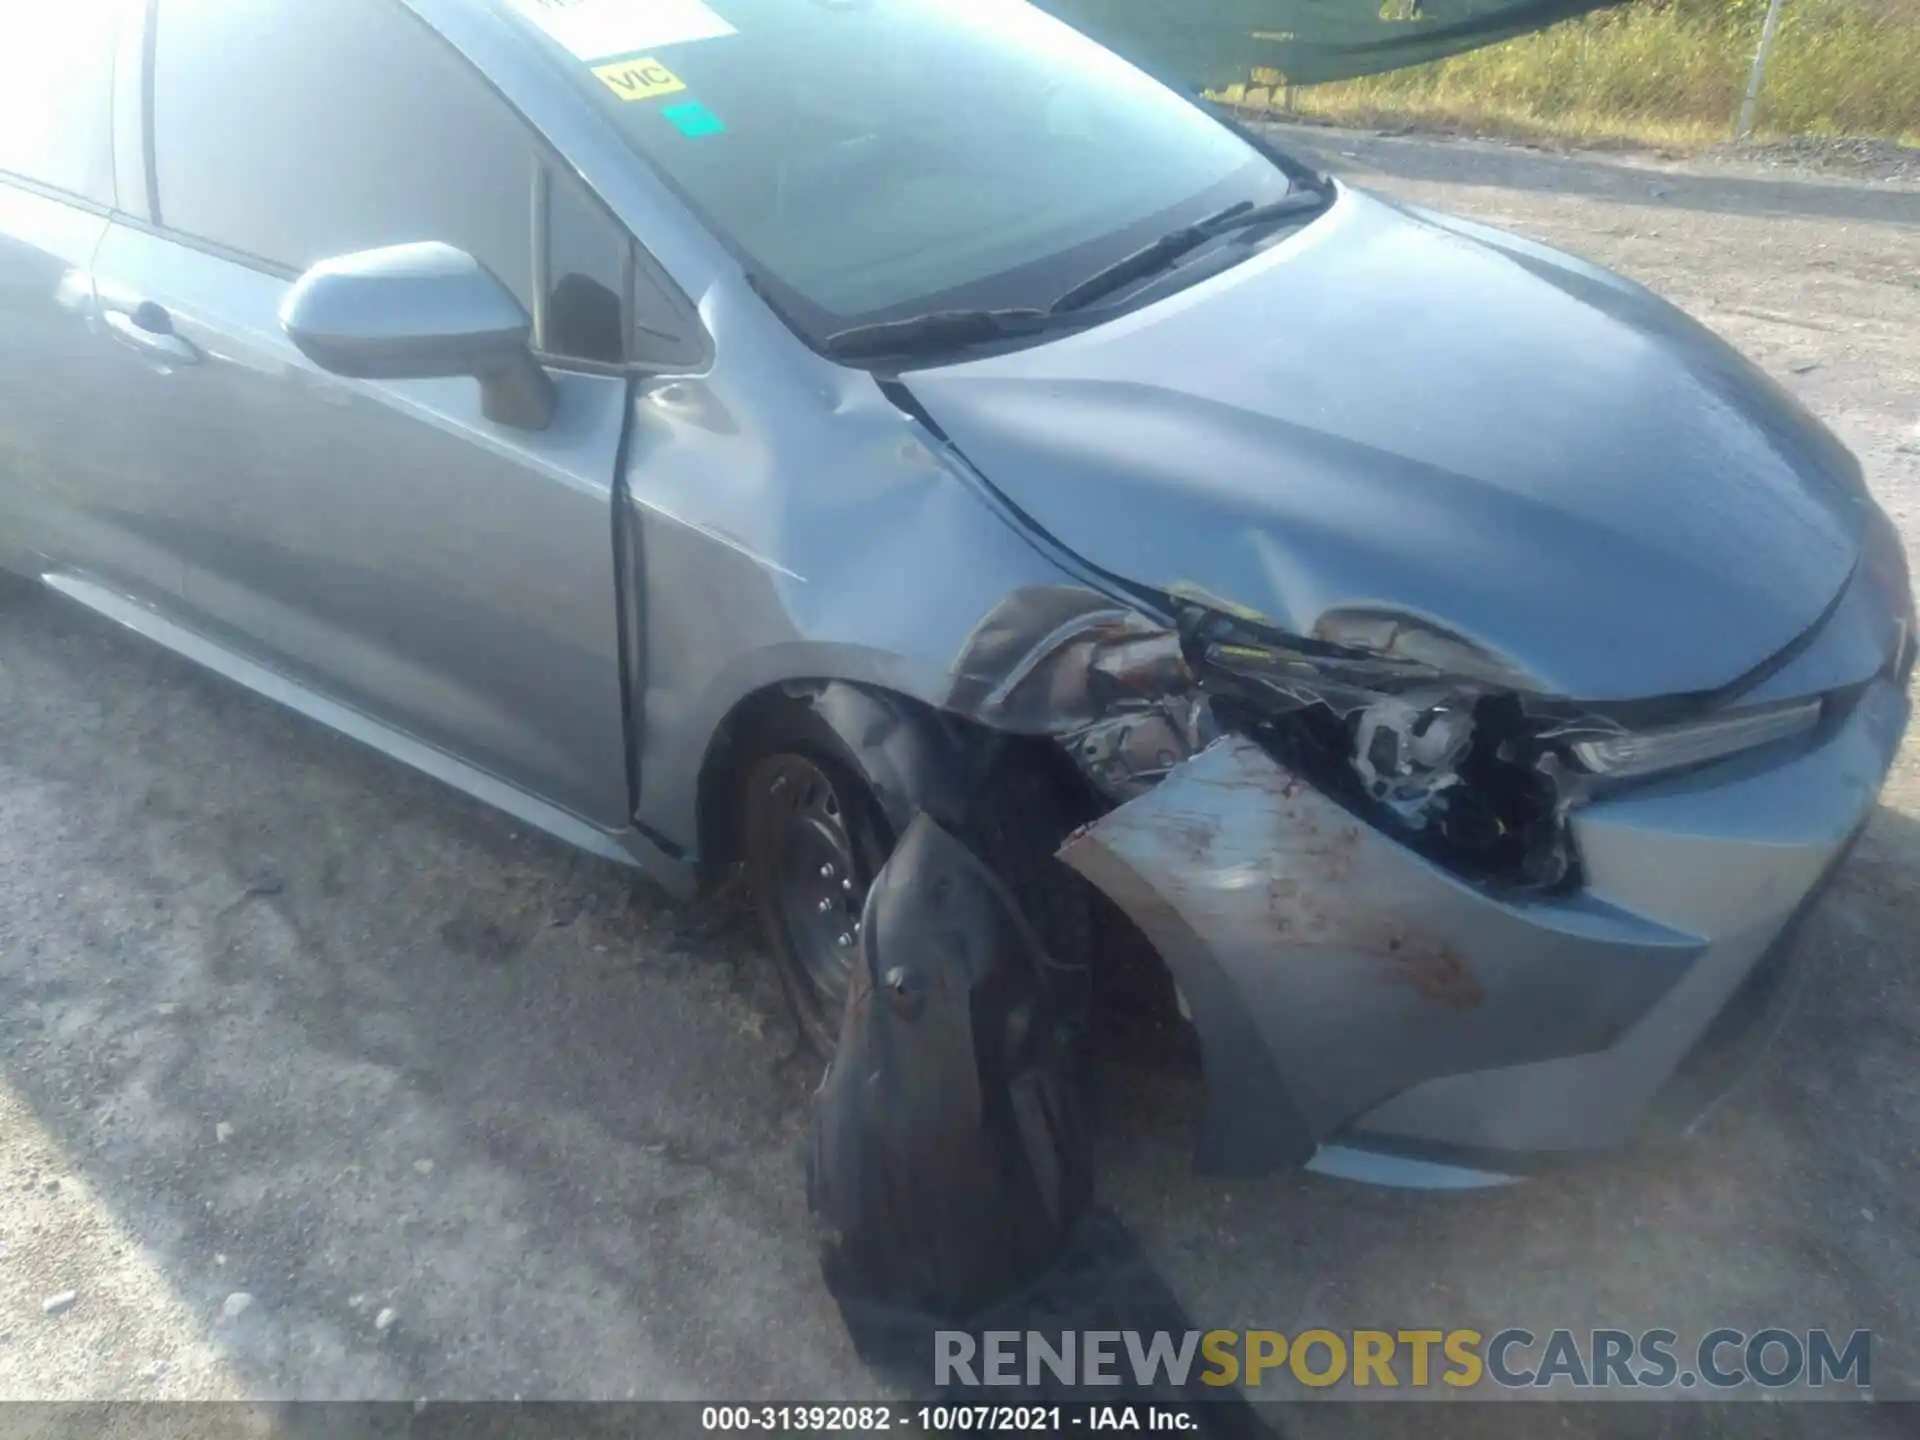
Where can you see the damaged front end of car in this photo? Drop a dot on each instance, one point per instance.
(1432, 741)
(1355, 849)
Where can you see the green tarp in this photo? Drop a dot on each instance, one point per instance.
(1205, 44)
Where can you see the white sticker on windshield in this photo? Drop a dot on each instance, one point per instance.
(606, 29)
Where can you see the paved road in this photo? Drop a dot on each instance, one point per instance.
(463, 1114)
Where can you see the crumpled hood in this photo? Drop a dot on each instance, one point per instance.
(1396, 409)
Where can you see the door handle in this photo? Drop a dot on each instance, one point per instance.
(148, 328)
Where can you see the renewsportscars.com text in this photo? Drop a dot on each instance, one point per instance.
(1377, 1360)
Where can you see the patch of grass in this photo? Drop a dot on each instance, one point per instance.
(1659, 73)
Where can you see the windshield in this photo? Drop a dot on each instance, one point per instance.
(873, 159)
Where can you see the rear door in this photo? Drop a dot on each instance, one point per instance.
(382, 544)
(64, 503)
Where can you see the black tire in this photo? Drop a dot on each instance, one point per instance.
(809, 916)
(1019, 817)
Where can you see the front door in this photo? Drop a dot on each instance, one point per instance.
(381, 543)
(67, 504)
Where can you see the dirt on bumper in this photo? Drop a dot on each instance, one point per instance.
(1336, 977)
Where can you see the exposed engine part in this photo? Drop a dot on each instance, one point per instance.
(1052, 659)
(1395, 637)
(1141, 666)
(1411, 727)
(1465, 773)
(1408, 749)
(1131, 752)
(1445, 763)
(1464, 779)
(1111, 684)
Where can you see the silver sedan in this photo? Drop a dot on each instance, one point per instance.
(719, 431)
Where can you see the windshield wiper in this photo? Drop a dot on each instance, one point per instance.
(1160, 254)
(938, 330)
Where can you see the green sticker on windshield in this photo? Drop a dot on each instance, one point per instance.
(690, 117)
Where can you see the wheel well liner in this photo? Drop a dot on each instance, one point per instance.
(915, 757)
(918, 758)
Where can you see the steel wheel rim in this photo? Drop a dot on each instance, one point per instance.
(819, 879)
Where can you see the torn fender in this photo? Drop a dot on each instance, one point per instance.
(947, 1168)
(1054, 658)
(946, 1162)
(915, 759)
(1328, 967)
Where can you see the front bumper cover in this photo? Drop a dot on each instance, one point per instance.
(1347, 991)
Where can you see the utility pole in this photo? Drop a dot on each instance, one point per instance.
(1743, 127)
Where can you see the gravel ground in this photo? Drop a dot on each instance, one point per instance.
(317, 1080)
(1863, 159)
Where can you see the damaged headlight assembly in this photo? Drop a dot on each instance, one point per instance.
(1673, 747)
(1414, 730)
(1417, 731)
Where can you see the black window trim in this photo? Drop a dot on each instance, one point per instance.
(547, 157)
(540, 250)
(149, 49)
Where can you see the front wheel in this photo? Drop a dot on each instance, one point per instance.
(815, 839)
(815, 836)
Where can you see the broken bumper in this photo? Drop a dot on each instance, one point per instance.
(1353, 997)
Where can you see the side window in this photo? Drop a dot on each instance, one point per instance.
(666, 329)
(56, 95)
(586, 275)
(595, 275)
(292, 131)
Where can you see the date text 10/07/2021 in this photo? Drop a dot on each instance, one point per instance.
(950, 1419)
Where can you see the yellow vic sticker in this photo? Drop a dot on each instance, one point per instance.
(639, 79)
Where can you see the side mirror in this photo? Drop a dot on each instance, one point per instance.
(421, 312)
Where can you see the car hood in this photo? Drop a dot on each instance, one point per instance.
(1392, 409)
